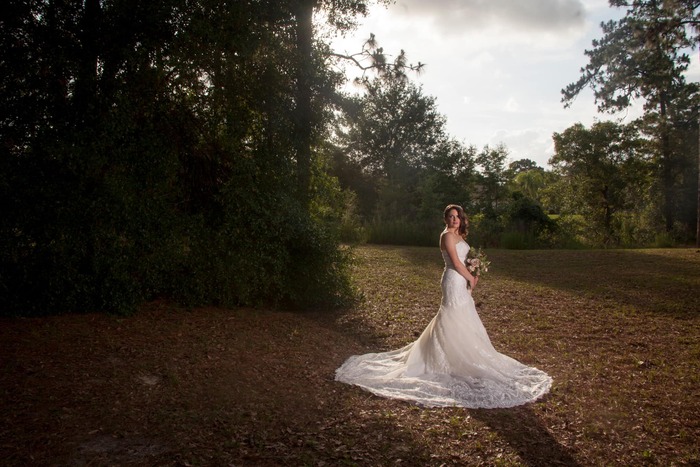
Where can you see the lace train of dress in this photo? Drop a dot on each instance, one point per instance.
(452, 363)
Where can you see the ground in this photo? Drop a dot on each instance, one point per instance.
(618, 330)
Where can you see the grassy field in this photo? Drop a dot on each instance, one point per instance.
(619, 330)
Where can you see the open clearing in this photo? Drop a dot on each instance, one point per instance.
(619, 330)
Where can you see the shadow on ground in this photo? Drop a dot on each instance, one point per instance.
(526, 434)
(621, 276)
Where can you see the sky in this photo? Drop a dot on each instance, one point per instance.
(497, 67)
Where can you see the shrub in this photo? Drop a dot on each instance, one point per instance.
(519, 240)
(484, 231)
(664, 240)
(569, 232)
(82, 239)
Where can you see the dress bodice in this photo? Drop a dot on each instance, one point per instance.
(454, 285)
(462, 250)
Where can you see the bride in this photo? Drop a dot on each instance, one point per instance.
(453, 362)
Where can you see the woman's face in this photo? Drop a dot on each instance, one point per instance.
(452, 219)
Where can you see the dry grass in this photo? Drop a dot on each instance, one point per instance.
(618, 330)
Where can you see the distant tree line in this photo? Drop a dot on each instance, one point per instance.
(613, 184)
(398, 166)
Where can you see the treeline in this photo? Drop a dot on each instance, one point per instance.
(399, 168)
(610, 185)
(202, 152)
(605, 187)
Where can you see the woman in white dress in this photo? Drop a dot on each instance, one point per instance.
(453, 362)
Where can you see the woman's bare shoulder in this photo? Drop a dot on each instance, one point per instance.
(448, 238)
(443, 235)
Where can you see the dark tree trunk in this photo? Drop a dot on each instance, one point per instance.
(303, 112)
(666, 169)
(607, 220)
(57, 74)
(86, 84)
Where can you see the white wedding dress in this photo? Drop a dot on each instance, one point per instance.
(452, 363)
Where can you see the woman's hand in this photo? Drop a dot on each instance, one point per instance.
(472, 280)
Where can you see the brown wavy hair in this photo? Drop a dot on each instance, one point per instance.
(463, 219)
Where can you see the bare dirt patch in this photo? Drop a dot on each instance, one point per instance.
(618, 330)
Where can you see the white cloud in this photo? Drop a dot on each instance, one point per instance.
(533, 15)
(693, 73)
(496, 67)
(531, 143)
(480, 61)
(512, 105)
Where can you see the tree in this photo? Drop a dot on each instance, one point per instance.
(303, 11)
(530, 182)
(143, 143)
(391, 133)
(643, 56)
(679, 181)
(522, 165)
(492, 180)
(372, 57)
(392, 125)
(605, 166)
(308, 63)
(449, 177)
(525, 215)
(525, 176)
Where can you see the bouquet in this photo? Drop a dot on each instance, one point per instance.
(476, 262)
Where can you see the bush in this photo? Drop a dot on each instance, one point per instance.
(87, 237)
(265, 250)
(633, 230)
(519, 240)
(568, 234)
(484, 231)
(351, 228)
(664, 240)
